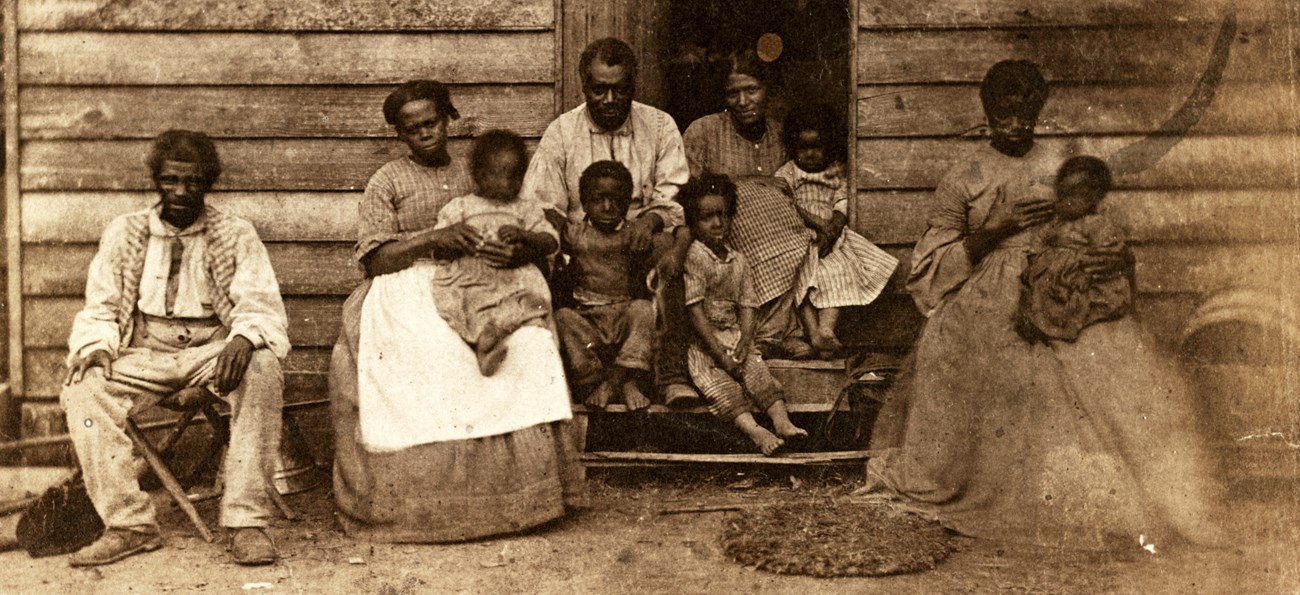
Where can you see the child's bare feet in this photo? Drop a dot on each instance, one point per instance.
(491, 348)
(633, 397)
(766, 441)
(600, 397)
(785, 429)
(490, 357)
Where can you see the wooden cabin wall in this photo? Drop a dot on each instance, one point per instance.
(1222, 208)
(292, 93)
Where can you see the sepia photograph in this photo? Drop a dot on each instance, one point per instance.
(650, 296)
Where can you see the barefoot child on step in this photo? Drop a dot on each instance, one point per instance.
(606, 316)
(720, 300)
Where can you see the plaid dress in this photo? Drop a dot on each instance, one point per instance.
(769, 232)
(713, 145)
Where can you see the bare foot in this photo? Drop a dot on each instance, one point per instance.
(491, 348)
(633, 397)
(490, 358)
(766, 441)
(600, 396)
(825, 343)
(788, 430)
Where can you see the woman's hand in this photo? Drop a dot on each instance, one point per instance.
(825, 242)
(1010, 216)
(1106, 262)
(504, 255)
(454, 240)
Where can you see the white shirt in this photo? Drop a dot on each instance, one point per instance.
(258, 314)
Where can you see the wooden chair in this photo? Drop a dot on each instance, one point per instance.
(189, 402)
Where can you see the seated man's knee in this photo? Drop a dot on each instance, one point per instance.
(83, 392)
(264, 363)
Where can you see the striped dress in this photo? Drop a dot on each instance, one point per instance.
(855, 271)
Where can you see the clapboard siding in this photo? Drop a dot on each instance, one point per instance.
(883, 163)
(63, 112)
(247, 164)
(899, 217)
(1197, 162)
(1218, 209)
(302, 268)
(292, 92)
(283, 59)
(313, 320)
(327, 216)
(303, 372)
(1165, 52)
(286, 15)
(1053, 13)
(950, 110)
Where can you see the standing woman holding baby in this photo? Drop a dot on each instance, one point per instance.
(427, 447)
(1084, 443)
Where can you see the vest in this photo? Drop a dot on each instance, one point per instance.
(222, 234)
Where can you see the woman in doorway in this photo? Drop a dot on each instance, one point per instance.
(744, 143)
(1085, 444)
(427, 448)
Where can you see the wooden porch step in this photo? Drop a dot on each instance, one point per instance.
(660, 459)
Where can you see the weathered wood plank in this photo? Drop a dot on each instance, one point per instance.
(284, 15)
(295, 164)
(1168, 53)
(313, 321)
(951, 110)
(278, 216)
(1180, 268)
(1200, 162)
(265, 112)
(899, 217)
(1036, 13)
(255, 164)
(304, 372)
(303, 269)
(280, 58)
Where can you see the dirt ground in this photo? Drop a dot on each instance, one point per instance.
(624, 542)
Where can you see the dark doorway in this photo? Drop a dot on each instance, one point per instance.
(812, 66)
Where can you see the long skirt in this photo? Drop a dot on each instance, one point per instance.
(443, 491)
(1094, 444)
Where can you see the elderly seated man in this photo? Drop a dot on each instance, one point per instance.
(179, 295)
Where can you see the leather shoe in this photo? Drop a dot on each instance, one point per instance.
(114, 545)
(251, 546)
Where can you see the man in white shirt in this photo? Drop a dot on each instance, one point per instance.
(611, 126)
(179, 295)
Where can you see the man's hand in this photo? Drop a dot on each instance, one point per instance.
(556, 219)
(641, 231)
(98, 358)
(669, 266)
(233, 363)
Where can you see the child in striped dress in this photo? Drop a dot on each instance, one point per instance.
(722, 359)
(842, 267)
